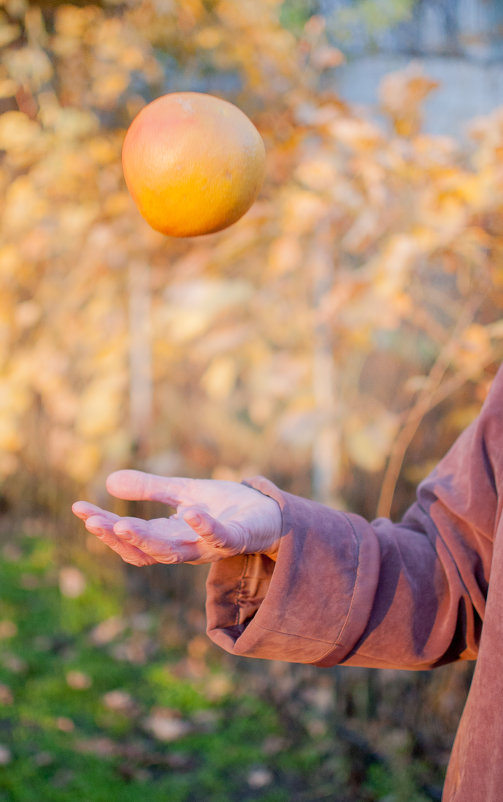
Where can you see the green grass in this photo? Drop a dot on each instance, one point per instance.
(64, 739)
(63, 742)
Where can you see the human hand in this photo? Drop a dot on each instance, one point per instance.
(214, 519)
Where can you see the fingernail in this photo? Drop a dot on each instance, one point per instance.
(194, 519)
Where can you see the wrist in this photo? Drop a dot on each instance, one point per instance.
(270, 536)
(274, 536)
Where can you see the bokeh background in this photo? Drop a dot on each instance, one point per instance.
(336, 339)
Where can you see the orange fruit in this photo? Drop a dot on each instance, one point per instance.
(193, 163)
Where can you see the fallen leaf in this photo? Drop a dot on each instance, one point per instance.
(65, 724)
(72, 582)
(5, 755)
(7, 629)
(120, 702)
(166, 725)
(78, 680)
(259, 777)
(6, 696)
(106, 631)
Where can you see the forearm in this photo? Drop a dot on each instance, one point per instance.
(345, 591)
(408, 595)
(279, 610)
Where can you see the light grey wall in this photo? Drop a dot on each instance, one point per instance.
(466, 90)
(458, 43)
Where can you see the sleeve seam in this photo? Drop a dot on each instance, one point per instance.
(295, 635)
(239, 589)
(357, 579)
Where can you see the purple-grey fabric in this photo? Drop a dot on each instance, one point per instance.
(412, 595)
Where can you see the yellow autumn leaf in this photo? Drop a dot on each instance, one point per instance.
(22, 203)
(10, 436)
(285, 255)
(327, 57)
(102, 150)
(27, 314)
(75, 220)
(298, 429)
(99, 409)
(210, 37)
(132, 57)
(117, 204)
(83, 462)
(401, 95)
(8, 87)
(193, 305)
(184, 325)
(261, 409)
(460, 418)
(14, 397)
(9, 259)
(368, 442)
(317, 173)
(363, 231)
(474, 345)
(8, 33)
(72, 21)
(340, 192)
(220, 377)
(71, 123)
(108, 86)
(392, 269)
(301, 211)
(29, 66)
(358, 134)
(9, 464)
(17, 131)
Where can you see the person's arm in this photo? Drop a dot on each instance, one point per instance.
(406, 595)
(295, 580)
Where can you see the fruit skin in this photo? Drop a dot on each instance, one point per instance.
(193, 163)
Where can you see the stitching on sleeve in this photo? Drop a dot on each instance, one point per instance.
(295, 635)
(357, 578)
(240, 587)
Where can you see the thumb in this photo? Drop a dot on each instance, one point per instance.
(213, 532)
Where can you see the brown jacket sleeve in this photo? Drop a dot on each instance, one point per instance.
(404, 595)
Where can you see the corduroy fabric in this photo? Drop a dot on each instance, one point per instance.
(412, 595)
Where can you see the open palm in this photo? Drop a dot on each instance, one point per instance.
(213, 519)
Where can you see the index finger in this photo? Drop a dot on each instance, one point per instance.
(140, 486)
(84, 510)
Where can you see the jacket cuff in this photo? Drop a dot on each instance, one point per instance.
(313, 603)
